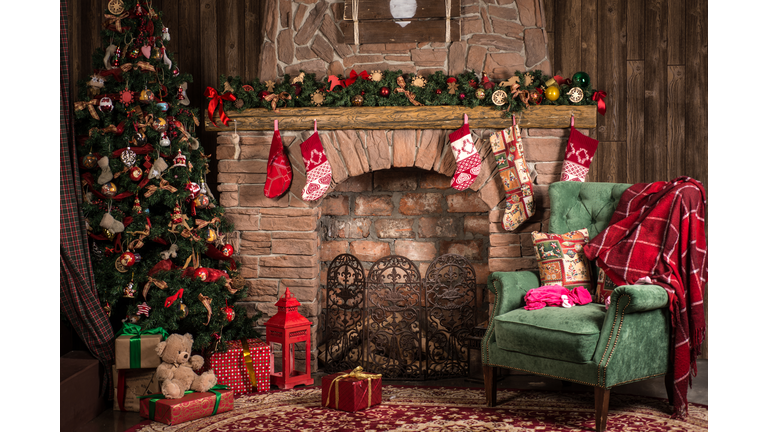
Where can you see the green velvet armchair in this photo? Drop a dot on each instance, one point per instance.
(588, 344)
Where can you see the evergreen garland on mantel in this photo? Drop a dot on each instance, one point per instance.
(521, 90)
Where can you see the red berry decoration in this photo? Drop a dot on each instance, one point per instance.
(201, 273)
(227, 250)
(384, 91)
(438, 91)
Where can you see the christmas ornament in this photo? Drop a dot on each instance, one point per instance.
(128, 157)
(528, 79)
(511, 82)
(201, 273)
(106, 172)
(227, 250)
(146, 50)
(126, 96)
(180, 160)
(575, 94)
(438, 91)
(163, 106)
(357, 100)
(401, 89)
(279, 171)
(384, 91)
(462, 96)
(182, 97)
(535, 97)
(239, 102)
(109, 189)
(507, 148)
(208, 234)
(184, 310)
(164, 141)
(499, 97)
(129, 291)
(136, 205)
(107, 309)
(318, 97)
(193, 188)
(580, 79)
(206, 301)
(201, 201)
(108, 53)
(376, 76)
(552, 93)
(452, 85)
(146, 96)
(144, 309)
(105, 104)
(108, 233)
(127, 259)
(134, 54)
(176, 216)
(159, 124)
(133, 319)
(138, 139)
(270, 86)
(115, 7)
(157, 54)
(578, 155)
(466, 155)
(419, 81)
(480, 93)
(317, 166)
(116, 58)
(166, 34)
(135, 173)
(228, 312)
(90, 161)
(487, 83)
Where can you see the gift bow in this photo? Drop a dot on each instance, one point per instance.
(163, 185)
(599, 96)
(112, 19)
(153, 398)
(355, 373)
(135, 331)
(158, 283)
(274, 97)
(523, 94)
(411, 97)
(90, 105)
(218, 101)
(201, 223)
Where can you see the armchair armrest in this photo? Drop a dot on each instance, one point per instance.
(640, 298)
(510, 289)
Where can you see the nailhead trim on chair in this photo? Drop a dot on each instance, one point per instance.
(604, 369)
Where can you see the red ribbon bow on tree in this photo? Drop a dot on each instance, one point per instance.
(218, 101)
(599, 96)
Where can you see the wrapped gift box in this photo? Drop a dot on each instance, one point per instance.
(232, 367)
(190, 407)
(137, 352)
(130, 384)
(351, 390)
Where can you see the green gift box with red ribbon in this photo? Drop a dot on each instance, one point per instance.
(135, 347)
(192, 406)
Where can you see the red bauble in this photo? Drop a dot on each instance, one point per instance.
(227, 250)
(229, 312)
(263, 94)
(128, 259)
(135, 173)
(297, 86)
(384, 91)
(201, 273)
(438, 91)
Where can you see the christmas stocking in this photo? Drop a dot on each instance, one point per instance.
(279, 172)
(508, 151)
(578, 156)
(467, 158)
(318, 168)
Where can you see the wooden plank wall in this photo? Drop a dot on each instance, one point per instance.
(651, 59)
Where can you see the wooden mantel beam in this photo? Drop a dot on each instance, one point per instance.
(434, 117)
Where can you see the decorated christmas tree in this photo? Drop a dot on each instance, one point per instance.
(158, 238)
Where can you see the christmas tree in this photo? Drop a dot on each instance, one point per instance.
(158, 238)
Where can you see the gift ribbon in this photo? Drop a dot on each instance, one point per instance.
(401, 89)
(275, 97)
(164, 184)
(356, 373)
(218, 101)
(90, 105)
(249, 363)
(121, 389)
(115, 21)
(599, 96)
(135, 342)
(153, 398)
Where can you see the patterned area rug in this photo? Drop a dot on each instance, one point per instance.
(432, 409)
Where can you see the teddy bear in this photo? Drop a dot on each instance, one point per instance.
(176, 373)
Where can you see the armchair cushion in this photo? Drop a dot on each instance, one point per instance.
(561, 258)
(567, 334)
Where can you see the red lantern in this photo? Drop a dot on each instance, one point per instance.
(286, 329)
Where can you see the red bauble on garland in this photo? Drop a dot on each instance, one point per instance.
(384, 91)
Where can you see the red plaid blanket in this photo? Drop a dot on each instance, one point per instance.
(658, 231)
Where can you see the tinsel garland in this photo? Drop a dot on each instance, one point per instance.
(521, 90)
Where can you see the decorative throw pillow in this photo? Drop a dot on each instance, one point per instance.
(605, 286)
(561, 258)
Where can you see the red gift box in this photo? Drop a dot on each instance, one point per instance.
(244, 371)
(192, 406)
(351, 390)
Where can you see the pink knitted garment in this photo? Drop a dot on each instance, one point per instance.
(555, 295)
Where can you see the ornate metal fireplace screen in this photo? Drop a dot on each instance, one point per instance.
(397, 324)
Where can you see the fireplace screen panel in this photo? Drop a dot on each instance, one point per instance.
(396, 324)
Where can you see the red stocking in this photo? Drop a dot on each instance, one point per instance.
(279, 173)
(318, 168)
(467, 158)
(578, 156)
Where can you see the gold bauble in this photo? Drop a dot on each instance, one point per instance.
(480, 93)
(357, 100)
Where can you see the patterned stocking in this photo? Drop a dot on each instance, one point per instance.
(508, 150)
(578, 156)
(318, 168)
(279, 172)
(467, 158)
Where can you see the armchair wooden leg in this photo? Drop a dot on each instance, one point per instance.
(669, 383)
(489, 377)
(601, 408)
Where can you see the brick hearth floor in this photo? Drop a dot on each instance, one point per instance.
(116, 421)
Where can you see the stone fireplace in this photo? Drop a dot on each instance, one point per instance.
(390, 192)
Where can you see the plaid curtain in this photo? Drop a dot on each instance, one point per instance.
(79, 301)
